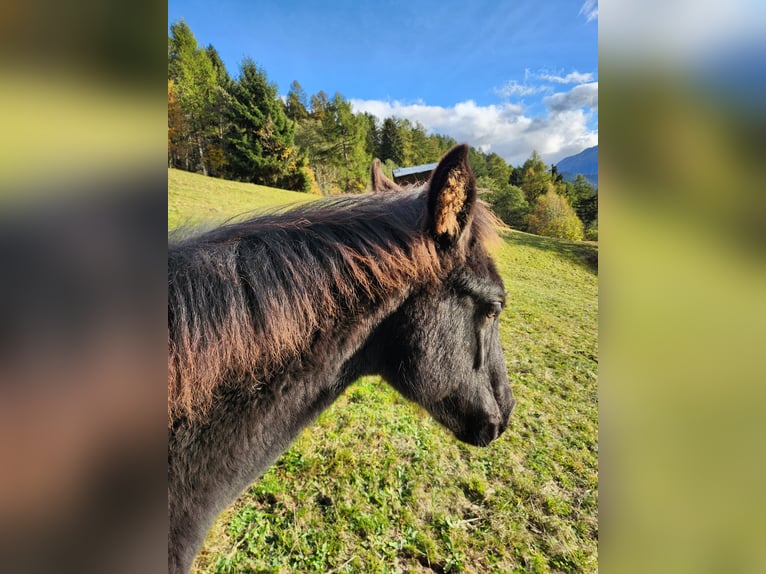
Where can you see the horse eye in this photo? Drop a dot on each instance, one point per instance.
(493, 310)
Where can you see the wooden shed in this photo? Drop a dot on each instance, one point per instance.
(415, 175)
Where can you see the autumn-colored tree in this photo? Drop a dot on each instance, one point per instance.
(335, 140)
(178, 148)
(313, 186)
(295, 104)
(404, 128)
(194, 87)
(554, 217)
(347, 133)
(534, 178)
(318, 104)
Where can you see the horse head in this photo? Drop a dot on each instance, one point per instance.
(441, 347)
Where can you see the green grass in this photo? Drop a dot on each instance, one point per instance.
(194, 198)
(377, 486)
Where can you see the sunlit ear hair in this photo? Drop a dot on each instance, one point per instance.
(451, 196)
(379, 180)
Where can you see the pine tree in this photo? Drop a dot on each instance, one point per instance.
(478, 162)
(583, 198)
(391, 144)
(498, 170)
(218, 148)
(372, 135)
(586, 199)
(422, 147)
(556, 177)
(222, 75)
(261, 135)
(347, 154)
(295, 106)
(335, 141)
(442, 144)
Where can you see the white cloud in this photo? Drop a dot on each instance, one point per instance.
(589, 10)
(503, 128)
(513, 88)
(571, 78)
(582, 96)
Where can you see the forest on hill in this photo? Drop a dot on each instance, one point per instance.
(241, 129)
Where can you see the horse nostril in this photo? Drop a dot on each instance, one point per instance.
(495, 427)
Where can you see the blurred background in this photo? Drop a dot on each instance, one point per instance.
(683, 284)
(82, 286)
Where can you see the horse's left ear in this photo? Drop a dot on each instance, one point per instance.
(379, 180)
(451, 196)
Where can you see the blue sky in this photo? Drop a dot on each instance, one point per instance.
(504, 76)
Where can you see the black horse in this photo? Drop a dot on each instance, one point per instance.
(270, 319)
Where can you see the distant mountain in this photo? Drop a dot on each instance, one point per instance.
(585, 162)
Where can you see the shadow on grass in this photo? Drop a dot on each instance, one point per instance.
(581, 253)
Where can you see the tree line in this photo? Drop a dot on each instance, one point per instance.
(241, 129)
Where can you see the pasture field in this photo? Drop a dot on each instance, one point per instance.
(375, 485)
(196, 199)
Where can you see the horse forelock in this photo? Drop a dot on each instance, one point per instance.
(247, 298)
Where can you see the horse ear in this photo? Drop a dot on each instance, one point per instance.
(451, 196)
(379, 180)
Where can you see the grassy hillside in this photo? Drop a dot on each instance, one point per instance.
(194, 198)
(377, 486)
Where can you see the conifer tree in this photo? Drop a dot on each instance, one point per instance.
(498, 170)
(261, 135)
(372, 135)
(295, 106)
(218, 148)
(391, 144)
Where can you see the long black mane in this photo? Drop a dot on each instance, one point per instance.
(245, 298)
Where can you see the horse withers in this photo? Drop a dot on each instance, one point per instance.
(271, 319)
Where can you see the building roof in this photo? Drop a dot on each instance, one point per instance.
(425, 168)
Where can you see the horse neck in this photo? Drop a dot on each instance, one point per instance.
(252, 423)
